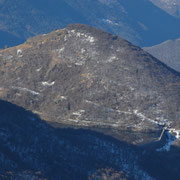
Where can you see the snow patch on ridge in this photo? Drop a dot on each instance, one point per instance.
(19, 53)
(143, 117)
(108, 21)
(90, 39)
(78, 113)
(38, 69)
(111, 59)
(45, 83)
(26, 89)
(86, 37)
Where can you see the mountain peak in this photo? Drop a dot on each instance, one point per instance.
(83, 76)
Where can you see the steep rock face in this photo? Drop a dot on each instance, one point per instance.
(147, 27)
(82, 76)
(168, 52)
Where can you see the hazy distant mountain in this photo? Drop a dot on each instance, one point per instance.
(8, 40)
(170, 6)
(144, 27)
(168, 52)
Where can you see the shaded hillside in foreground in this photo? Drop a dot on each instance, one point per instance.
(32, 148)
